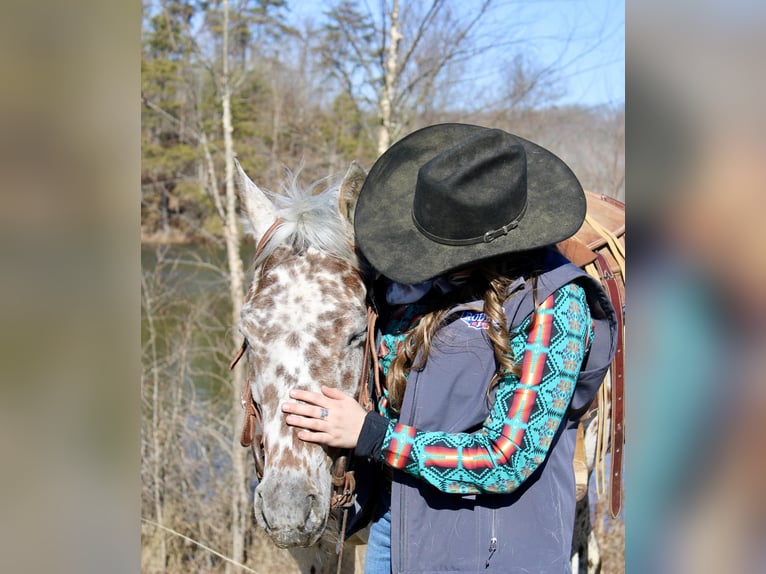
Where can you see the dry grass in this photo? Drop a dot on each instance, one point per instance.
(610, 533)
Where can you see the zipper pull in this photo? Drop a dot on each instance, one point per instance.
(492, 549)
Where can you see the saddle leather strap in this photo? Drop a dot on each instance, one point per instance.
(609, 281)
(603, 436)
(615, 247)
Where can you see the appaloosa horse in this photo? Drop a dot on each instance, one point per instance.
(305, 324)
(304, 321)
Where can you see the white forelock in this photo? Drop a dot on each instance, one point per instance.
(310, 218)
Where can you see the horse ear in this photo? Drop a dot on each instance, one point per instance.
(349, 190)
(257, 207)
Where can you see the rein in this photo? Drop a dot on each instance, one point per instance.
(343, 480)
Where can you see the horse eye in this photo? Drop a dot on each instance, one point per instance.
(356, 338)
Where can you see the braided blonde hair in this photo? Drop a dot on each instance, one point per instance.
(488, 282)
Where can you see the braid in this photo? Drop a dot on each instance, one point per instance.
(488, 282)
(497, 331)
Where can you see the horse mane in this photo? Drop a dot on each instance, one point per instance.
(310, 218)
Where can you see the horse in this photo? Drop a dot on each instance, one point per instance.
(304, 323)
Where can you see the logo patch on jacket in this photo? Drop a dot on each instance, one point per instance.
(475, 320)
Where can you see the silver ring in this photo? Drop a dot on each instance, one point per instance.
(323, 413)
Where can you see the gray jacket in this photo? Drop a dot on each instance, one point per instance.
(532, 526)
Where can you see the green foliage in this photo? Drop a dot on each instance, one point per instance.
(344, 125)
(245, 104)
(166, 36)
(169, 160)
(213, 225)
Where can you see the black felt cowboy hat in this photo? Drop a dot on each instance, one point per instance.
(449, 195)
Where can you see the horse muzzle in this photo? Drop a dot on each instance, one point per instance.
(291, 514)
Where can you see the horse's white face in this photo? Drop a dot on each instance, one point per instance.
(305, 321)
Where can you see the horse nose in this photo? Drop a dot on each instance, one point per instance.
(292, 516)
(310, 507)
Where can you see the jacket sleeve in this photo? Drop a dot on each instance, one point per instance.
(371, 436)
(527, 412)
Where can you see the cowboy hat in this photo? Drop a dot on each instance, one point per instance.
(453, 194)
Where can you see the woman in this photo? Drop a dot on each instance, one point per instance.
(491, 345)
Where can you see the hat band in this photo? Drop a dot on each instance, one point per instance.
(487, 237)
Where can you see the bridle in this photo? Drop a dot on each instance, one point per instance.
(343, 481)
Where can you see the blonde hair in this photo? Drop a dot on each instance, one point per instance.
(488, 282)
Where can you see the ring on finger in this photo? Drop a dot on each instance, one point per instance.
(323, 413)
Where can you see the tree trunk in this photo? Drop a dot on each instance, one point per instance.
(386, 127)
(239, 500)
(276, 122)
(165, 210)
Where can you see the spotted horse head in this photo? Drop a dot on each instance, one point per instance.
(304, 320)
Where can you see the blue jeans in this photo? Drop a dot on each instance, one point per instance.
(378, 557)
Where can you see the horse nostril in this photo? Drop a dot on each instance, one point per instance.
(311, 501)
(259, 510)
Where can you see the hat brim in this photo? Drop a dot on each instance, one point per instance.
(388, 238)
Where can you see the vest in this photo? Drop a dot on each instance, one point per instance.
(532, 526)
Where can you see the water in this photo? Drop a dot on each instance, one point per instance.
(185, 298)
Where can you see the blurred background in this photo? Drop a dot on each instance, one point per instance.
(113, 154)
(696, 390)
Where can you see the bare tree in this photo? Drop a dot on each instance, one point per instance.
(239, 499)
(393, 60)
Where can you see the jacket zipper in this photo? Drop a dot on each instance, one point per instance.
(492, 539)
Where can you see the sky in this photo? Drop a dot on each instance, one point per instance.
(594, 58)
(583, 39)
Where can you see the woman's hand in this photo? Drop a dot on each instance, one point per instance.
(331, 417)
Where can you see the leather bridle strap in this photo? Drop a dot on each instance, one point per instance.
(252, 426)
(266, 236)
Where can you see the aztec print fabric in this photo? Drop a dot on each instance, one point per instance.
(527, 412)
